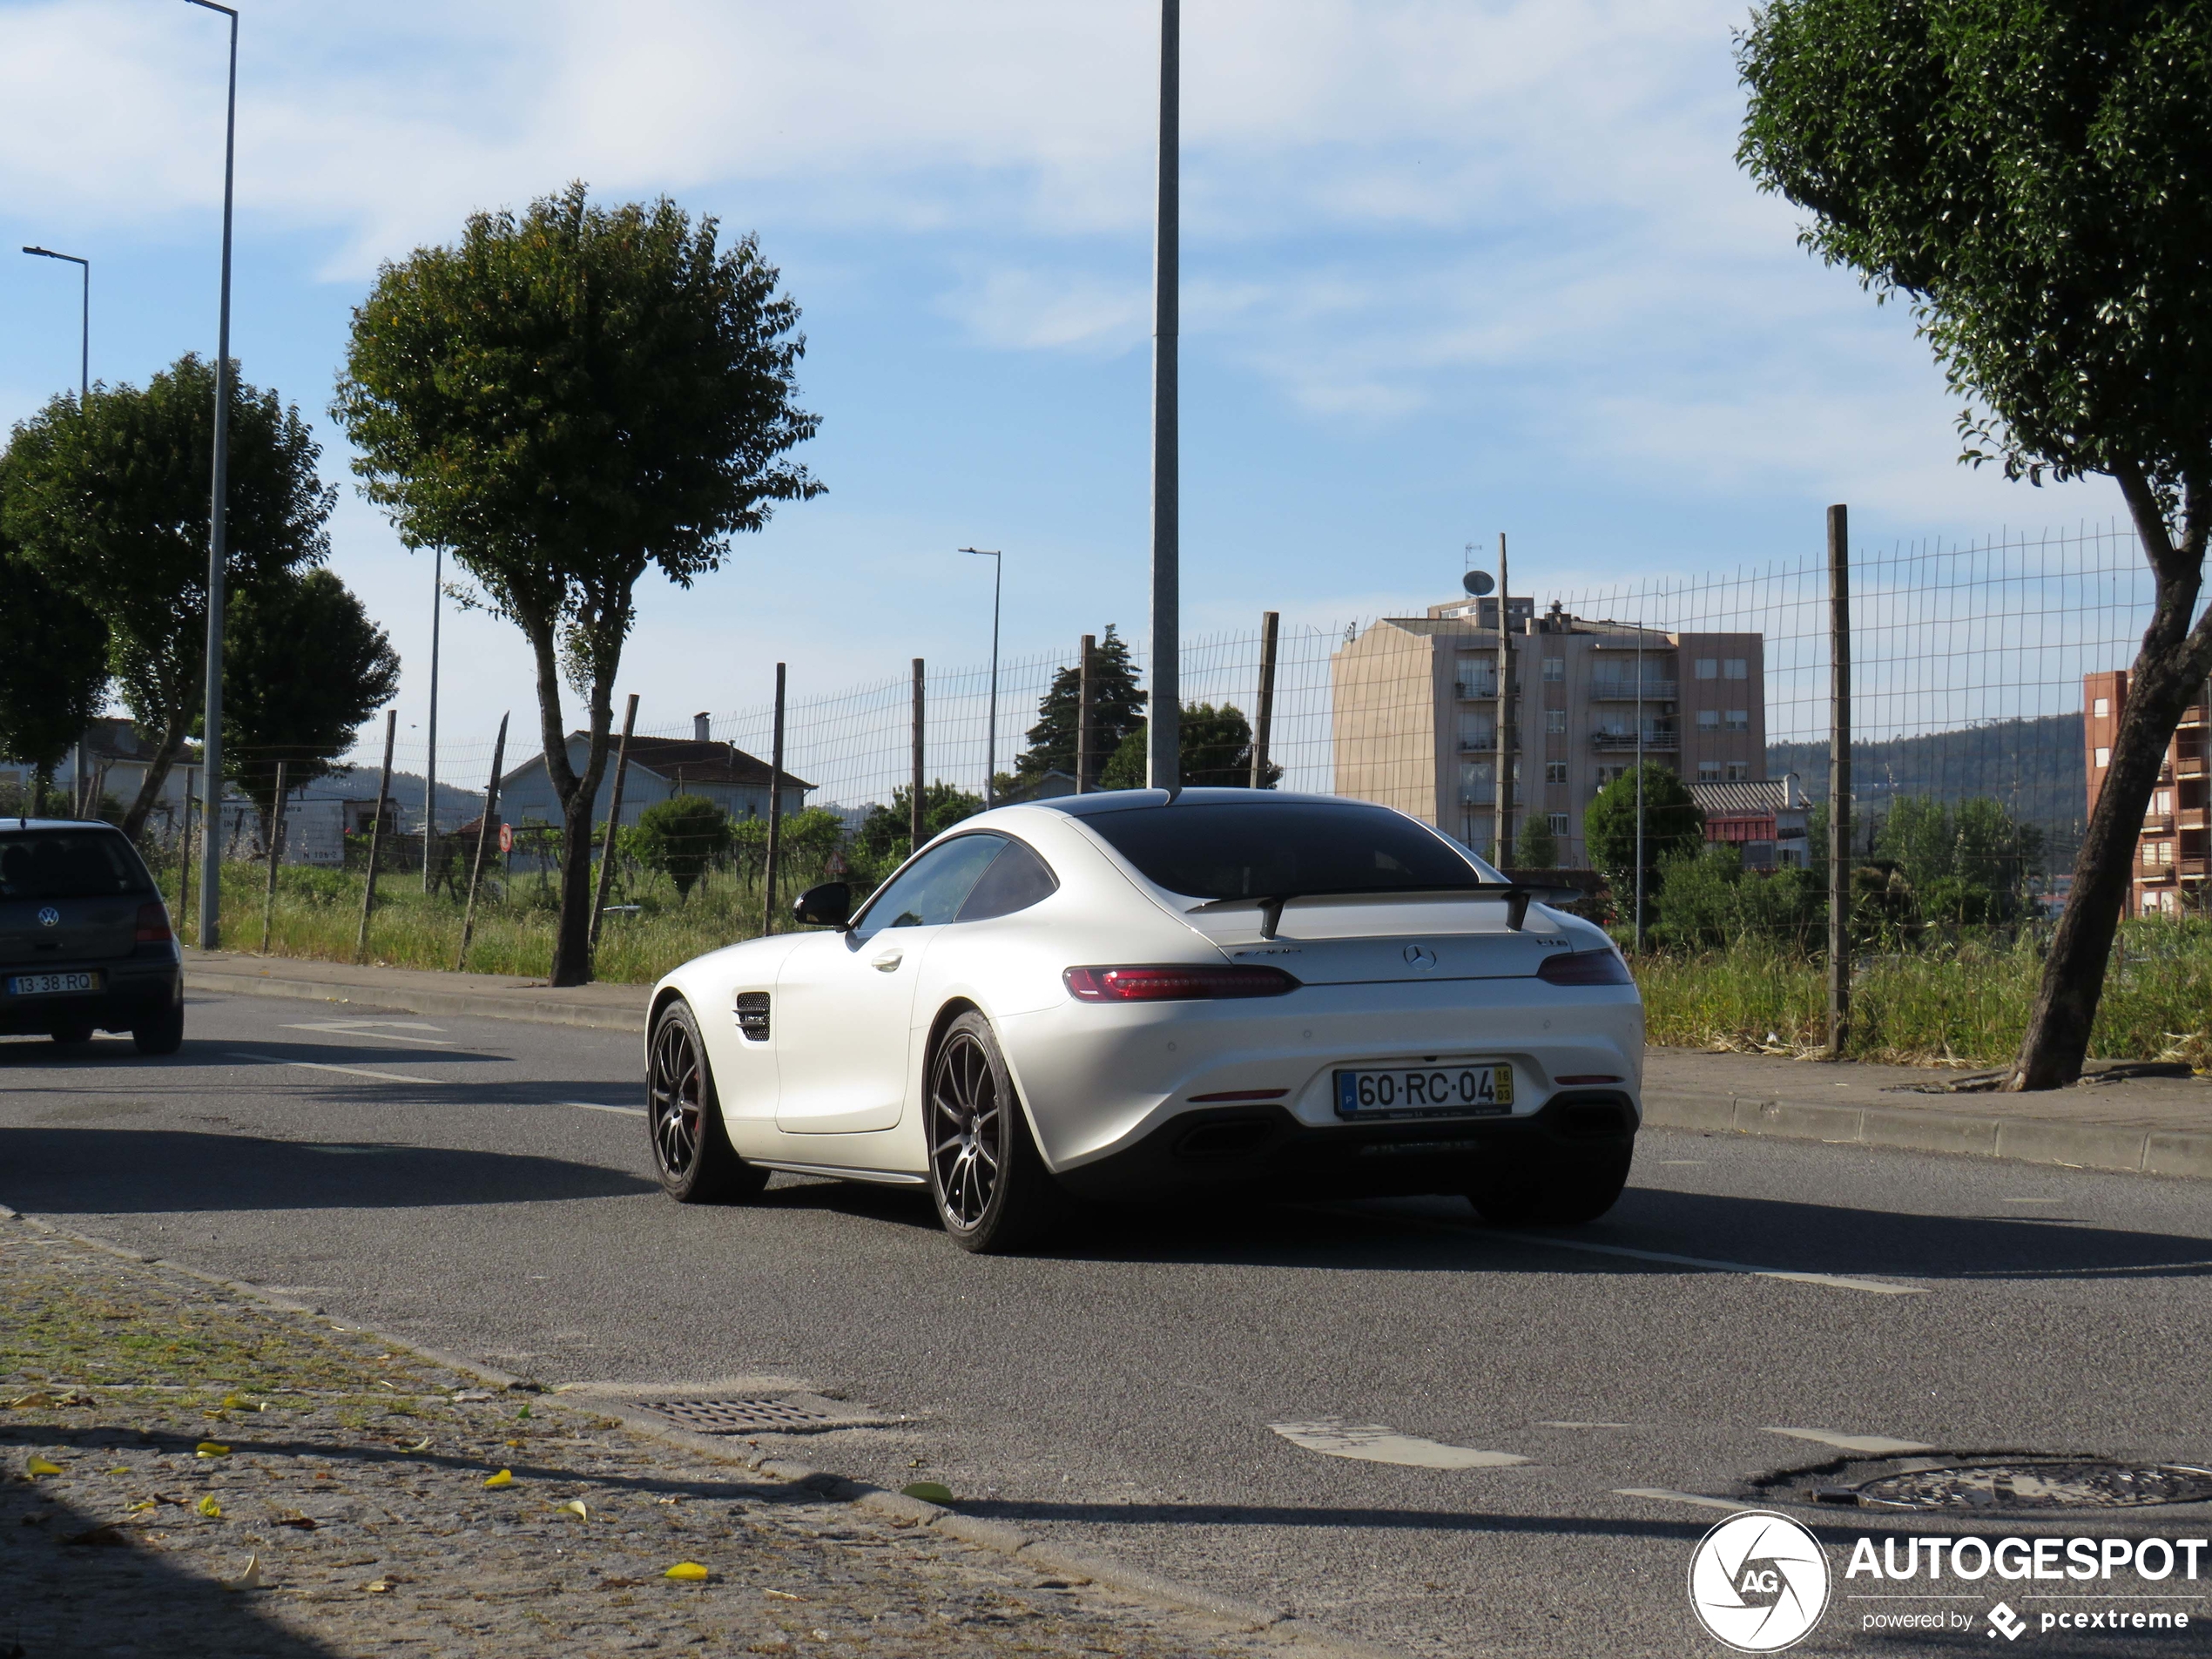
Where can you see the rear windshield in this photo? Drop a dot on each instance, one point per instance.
(1223, 851)
(68, 864)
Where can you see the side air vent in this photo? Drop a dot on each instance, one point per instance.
(753, 1015)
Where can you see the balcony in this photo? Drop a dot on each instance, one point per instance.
(2189, 818)
(2158, 823)
(2191, 869)
(1612, 690)
(1481, 690)
(2189, 766)
(1657, 739)
(2196, 714)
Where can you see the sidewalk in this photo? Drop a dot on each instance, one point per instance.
(2141, 1125)
(188, 1470)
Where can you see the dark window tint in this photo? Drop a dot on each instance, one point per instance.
(1220, 852)
(1016, 880)
(932, 889)
(68, 864)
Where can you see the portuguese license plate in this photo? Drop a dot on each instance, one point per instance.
(51, 984)
(1462, 1089)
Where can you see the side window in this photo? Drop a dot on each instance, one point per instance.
(1015, 879)
(932, 889)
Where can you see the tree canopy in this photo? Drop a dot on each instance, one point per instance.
(883, 840)
(111, 503)
(1214, 746)
(1673, 824)
(1116, 710)
(566, 399)
(53, 671)
(681, 837)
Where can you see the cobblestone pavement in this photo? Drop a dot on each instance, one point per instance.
(187, 1472)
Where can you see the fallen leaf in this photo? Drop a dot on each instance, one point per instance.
(927, 1491)
(470, 1396)
(98, 1538)
(209, 1507)
(514, 1442)
(140, 1508)
(422, 1445)
(211, 1449)
(377, 1587)
(523, 1415)
(575, 1506)
(688, 1572)
(240, 1403)
(504, 1477)
(39, 1465)
(784, 1595)
(619, 1583)
(249, 1580)
(118, 1471)
(305, 1523)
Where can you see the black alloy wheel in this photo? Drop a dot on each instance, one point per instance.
(691, 1154)
(990, 1185)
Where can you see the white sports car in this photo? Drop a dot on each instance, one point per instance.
(1127, 996)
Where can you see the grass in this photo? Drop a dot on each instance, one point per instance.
(1960, 1003)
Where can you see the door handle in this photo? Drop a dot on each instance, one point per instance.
(888, 963)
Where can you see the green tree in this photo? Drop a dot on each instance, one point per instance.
(566, 400)
(1214, 747)
(111, 504)
(681, 838)
(53, 669)
(1538, 848)
(1968, 862)
(1116, 710)
(805, 845)
(2031, 181)
(303, 668)
(883, 839)
(1673, 826)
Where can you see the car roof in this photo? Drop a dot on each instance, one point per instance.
(12, 824)
(1123, 800)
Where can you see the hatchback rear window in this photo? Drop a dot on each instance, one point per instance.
(69, 863)
(1224, 852)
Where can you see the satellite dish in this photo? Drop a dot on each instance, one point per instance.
(1477, 583)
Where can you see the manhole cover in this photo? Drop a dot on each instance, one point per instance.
(736, 1416)
(2072, 1484)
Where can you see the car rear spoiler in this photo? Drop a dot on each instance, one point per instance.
(1517, 896)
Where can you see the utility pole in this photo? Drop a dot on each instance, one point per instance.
(915, 816)
(211, 870)
(1639, 882)
(1839, 780)
(1163, 758)
(1263, 705)
(1082, 716)
(1501, 809)
(430, 767)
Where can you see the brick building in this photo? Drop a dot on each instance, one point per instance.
(2170, 870)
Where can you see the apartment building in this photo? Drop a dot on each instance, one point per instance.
(2170, 870)
(1417, 710)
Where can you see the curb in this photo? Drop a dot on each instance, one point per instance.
(409, 999)
(996, 1536)
(2185, 1153)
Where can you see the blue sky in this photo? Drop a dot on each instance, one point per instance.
(1450, 269)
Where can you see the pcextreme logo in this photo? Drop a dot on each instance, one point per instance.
(1758, 1581)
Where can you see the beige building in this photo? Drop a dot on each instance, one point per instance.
(1416, 714)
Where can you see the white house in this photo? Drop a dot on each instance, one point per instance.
(659, 768)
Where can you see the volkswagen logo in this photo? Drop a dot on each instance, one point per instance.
(50, 917)
(1421, 956)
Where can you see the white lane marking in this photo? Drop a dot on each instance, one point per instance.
(1586, 1425)
(1373, 1443)
(362, 1028)
(1663, 1495)
(1833, 1281)
(1871, 1445)
(1681, 1163)
(593, 1106)
(316, 1065)
(349, 1151)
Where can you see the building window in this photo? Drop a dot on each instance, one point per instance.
(2104, 759)
(1709, 772)
(1554, 720)
(1738, 720)
(1708, 719)
(1708, 667)
(1739, 772)
(1559, 823)
(2103, 710)
(1554, 771)
(1611, 774)
(1737, 668)
(1555, 669)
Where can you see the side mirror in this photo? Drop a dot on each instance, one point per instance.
(828, 906)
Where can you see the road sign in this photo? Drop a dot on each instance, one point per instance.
(506, 838)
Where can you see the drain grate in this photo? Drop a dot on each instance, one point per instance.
(2079, 1483)
(736, 1416)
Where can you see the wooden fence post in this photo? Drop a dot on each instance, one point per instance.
(484, 835)
(1264, 710)
(377, 833)
(614, 823)
(276, 833)
(775, 813)
(916, 815)
(1839, 780)
(1082, 716)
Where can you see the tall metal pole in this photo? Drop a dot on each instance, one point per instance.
(84, 333)
(916, 815)
(430, 767)
(1839, 780)
(1163, 761)
(991, 733)
(1082, 716)
(614, 821)
(1501, 812)
(1263, 706)
(211, 869)
(775, 813)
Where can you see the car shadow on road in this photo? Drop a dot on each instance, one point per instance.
(105, 1171)
(1347, 1516)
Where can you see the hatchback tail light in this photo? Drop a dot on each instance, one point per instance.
(1585, 968)
(153, 925)
(1175, 983)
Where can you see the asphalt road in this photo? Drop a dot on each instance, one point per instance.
(482, 1187)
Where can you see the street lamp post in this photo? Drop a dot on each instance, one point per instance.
(1163, 758)
(211, 857)
(85, 342)
(991, 738)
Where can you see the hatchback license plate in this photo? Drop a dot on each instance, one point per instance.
(51, 984)
(1476, 1090)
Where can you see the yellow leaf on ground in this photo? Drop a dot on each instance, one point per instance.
(504, 1477)
(211, 1449)
(575, 1506)
(39, 1465)
(927, 1491)
(209, 1507)
(689, 1572)
(119, 1471)
(249, 1580)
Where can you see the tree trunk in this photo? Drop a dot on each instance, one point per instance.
(165, 756)
(2168, 674)
(576, 793)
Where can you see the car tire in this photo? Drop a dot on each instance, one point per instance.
(1557, 1189)
(692, 1153)
(74, 1035)
(993, 1191)
(163, 1033)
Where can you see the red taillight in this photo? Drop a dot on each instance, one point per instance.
(153, 925)
(1585, 968)
(1173, 982)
